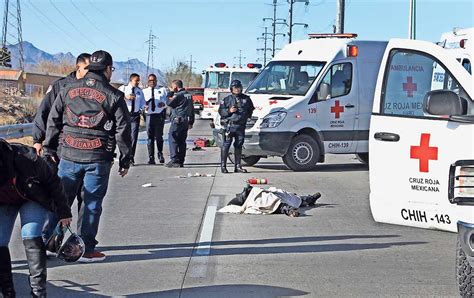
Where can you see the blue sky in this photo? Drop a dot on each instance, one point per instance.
(215, 30)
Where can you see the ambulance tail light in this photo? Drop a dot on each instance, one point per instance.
(254, 65)
(220, 64)
(461, 183)
(462, 43)
(352, 51)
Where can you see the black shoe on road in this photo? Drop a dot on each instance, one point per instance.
(151, 162)
(173, 165)
(161, 158)
(240, 170)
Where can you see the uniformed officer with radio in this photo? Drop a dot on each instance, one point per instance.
(234, 110)
(155, 121)
(182, 119)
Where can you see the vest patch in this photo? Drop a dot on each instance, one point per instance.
(82, 144)
(87, 93)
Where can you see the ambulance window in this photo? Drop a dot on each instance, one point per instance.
(217, 79)
(467, 65)
(410, 76)
(338, 79)
(286, 78)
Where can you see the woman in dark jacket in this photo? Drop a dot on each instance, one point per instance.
(28, 186)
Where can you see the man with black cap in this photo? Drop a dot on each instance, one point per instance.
(40, 122)
(30, 188)
(182, 119)
(234, 110)
(92, 117)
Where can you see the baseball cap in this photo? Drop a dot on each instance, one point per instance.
(100, 60)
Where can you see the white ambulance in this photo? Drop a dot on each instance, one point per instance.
(315, 97)
(459, 42)
(422, 146)
(217, 82)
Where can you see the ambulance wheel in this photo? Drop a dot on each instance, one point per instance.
(464, 273)
(303, 153)
(250, 160)
(363, 157)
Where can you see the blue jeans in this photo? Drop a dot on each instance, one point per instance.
(32, 216)
(95, 177)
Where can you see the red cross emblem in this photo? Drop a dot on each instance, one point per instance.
(409, 87)
(272, 102)
(424, 152)
(337, 109)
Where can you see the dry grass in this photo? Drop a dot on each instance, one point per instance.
(26, 141)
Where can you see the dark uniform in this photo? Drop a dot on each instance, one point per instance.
(234, 124)
(93, 118)
(182, 115)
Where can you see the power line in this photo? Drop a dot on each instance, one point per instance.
(265, 48)
(93, 24)
(71, 23)
(151, 48)
(49, 20)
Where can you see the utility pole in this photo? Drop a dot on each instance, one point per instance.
(412, 20)
(291, 24)
(15, 32)
(275, 21)
(127, 69)
(265, 48)
(151, 48)
(190, 62)
(340, 16)
(240, 58)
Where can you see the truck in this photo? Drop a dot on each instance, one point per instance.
(421, 143)
(313, 98)
(459, 42)
(217, 83)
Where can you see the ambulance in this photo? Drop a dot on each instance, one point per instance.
(314, 98)
(422, 146)
(459, 42)
(217, 83)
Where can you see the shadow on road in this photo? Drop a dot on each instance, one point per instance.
(343, 167)
(228, 291)
(218, 248)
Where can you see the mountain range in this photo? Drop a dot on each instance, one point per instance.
(33, 56)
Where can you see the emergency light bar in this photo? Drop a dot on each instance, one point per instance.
(220, 64)
(332, 35)
(254, 65)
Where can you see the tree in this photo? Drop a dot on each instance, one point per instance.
(63, 67)
(181, 71)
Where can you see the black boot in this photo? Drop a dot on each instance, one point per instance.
(6, 278)
(36, 258)
(151, 153)
(238, 161)
(161, 157)
(224, 156)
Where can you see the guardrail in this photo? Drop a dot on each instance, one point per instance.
(16, 131)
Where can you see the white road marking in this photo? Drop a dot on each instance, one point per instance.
(204, 245)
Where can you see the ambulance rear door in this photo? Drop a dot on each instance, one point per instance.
(411, 147)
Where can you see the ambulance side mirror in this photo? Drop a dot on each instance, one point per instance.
(324, 91)
(443, 103)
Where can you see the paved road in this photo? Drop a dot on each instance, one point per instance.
(150, 236)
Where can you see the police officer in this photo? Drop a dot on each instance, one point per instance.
(135, 103)
(155, 121)
(182, 119)
(93, 118)
(234, 110)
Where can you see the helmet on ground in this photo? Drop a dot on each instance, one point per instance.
(72, 249)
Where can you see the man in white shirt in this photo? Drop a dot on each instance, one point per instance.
(135, 103)
(155, 98)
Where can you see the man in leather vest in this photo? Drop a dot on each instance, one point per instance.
(93, 118)
(234, 110)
